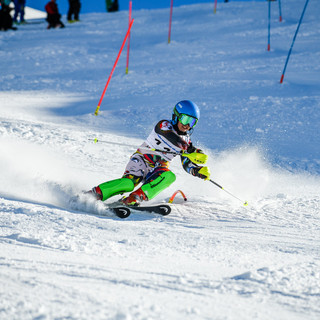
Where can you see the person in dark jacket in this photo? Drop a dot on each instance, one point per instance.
(74, 10)
(5, 17)
(112, 5)
(53, 15)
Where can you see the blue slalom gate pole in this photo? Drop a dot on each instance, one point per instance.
(269, 18)
(280, 14)
(294, 39)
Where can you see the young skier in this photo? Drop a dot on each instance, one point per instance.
(150, 167)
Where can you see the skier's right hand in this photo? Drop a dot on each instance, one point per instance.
(196, 155)
(203, 173)
(192, 149)
(197, 158)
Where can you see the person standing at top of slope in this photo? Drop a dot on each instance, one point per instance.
(19, 6)
(112, 5)
(5, 17)
(74, 10)
(150, 167)
(53, 15)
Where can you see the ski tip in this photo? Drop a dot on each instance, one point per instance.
(121, 212)
(165, 210)
(245, 203)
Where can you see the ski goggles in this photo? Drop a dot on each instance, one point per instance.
(185, 119)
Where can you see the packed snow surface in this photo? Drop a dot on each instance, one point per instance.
(212, 257)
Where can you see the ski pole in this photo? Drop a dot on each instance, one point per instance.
(245, 203)
(195, 157)
(294, 39)
(198, 158)
(162, 151)
(95, 140)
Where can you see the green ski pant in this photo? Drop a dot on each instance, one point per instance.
(151, 189)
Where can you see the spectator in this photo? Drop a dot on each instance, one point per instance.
(19, 10)
(5, 17)
(112, 5)
(53, 15)
(74, 9)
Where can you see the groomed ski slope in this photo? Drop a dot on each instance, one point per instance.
(211, 258)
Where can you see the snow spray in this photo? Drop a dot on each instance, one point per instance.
(170, 21)
(128, 44)
(114, 66)
(294, 39)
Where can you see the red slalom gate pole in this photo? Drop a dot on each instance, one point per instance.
(215, 6)
(114, 66)
(174, 195)
(170, 21)
(128, 44)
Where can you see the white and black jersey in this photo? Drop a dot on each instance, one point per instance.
(165, 137)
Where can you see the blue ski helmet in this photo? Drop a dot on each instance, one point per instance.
(186, 112)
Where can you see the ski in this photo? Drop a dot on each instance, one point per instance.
(124, 212)
(162, 209)
(118, 208)
(121, 212)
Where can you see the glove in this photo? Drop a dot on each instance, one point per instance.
(197, 158)
(195, 155)
(192, 149)
(203, 173)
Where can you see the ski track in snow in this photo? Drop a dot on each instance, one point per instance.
(211, 258)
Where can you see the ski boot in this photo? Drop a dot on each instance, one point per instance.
(135, 198)
(96, 192)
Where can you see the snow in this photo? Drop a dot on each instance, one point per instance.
(212, 257)
(30, 13)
